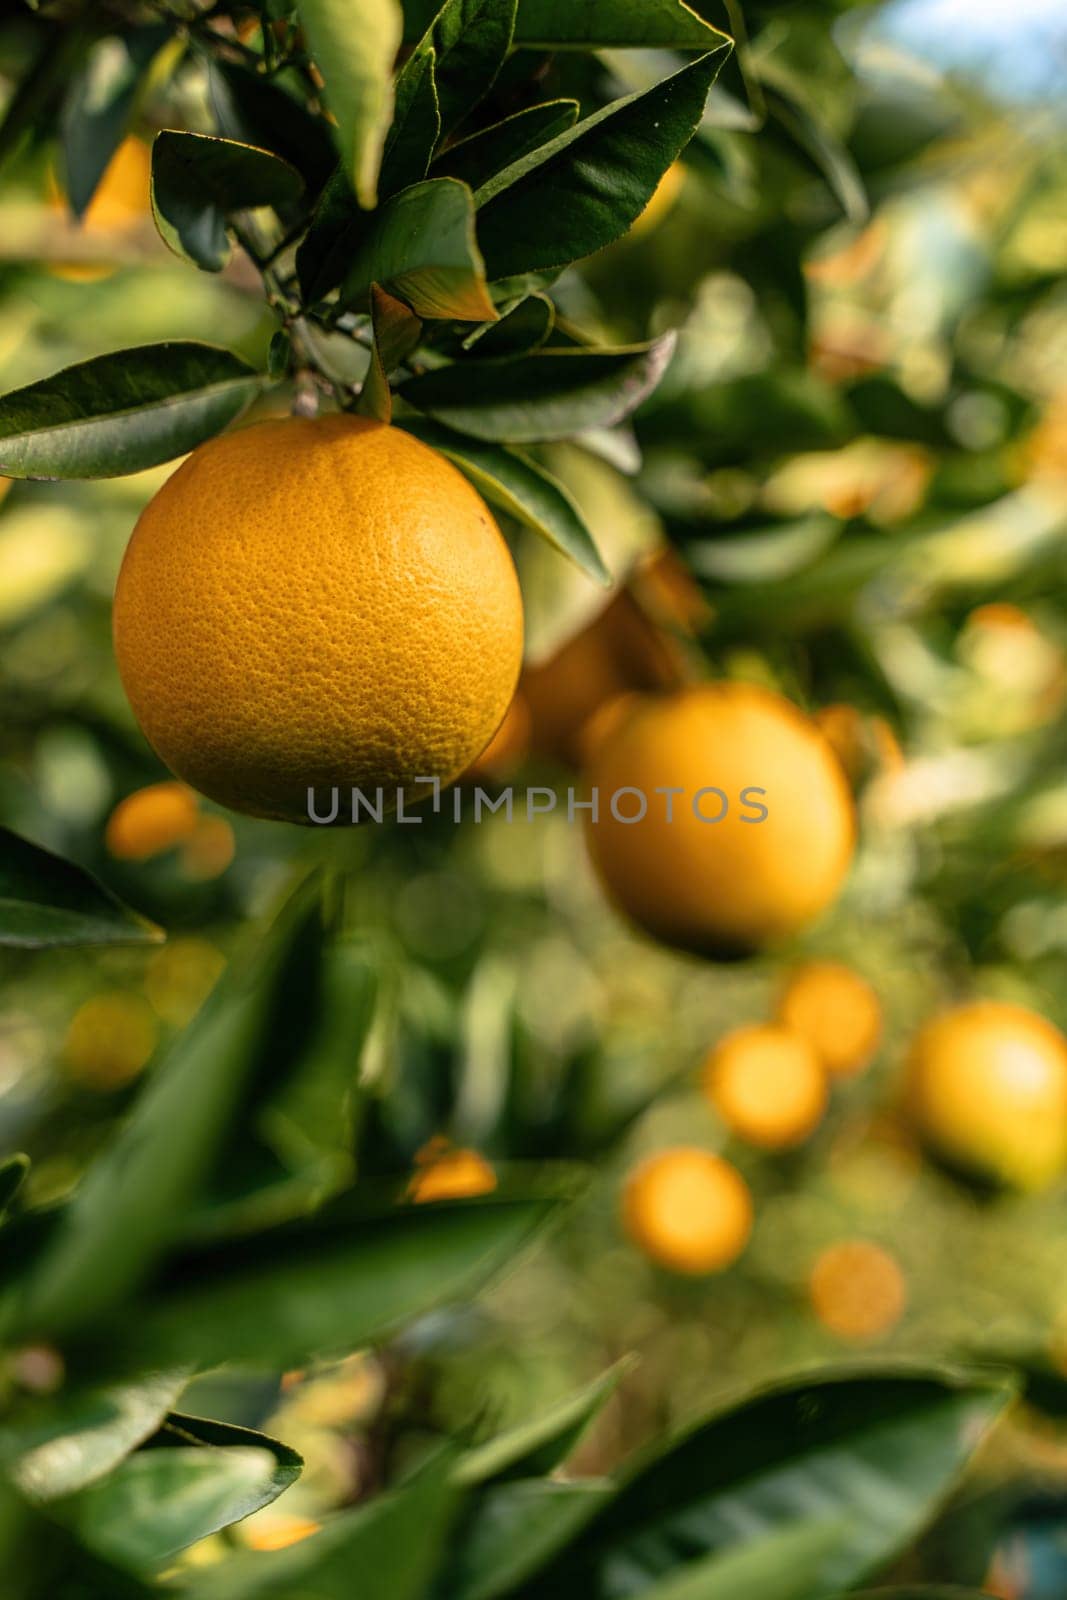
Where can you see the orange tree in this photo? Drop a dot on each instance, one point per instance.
(328, 598)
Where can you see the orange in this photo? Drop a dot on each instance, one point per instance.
(209, 849)
(987, 1087)
(311, 604)
(150, 821)
(720, 886)
(857, 1290)
(121, 202)
(836, 1010)
(863, 744)
(688, 1210)
(767, 1084)
(109, 1040)
(662, 200)
(450, 1174)
(508, 745)
(180, 977)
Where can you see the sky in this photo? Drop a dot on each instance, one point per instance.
(1017, 49)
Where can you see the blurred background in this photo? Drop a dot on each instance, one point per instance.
(850, 487)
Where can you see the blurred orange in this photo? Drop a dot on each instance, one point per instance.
(687, 1210)
(180, 977)
(151, 820)
(109, 1040)
(863, 743)
(122, 200)
(767, 1084)
(836, 1010)
(279, 1532)
(209, 849)
(857, 1290)
(448, 1173)
(508, 745)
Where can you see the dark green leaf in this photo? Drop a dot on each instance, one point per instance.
(320, 1286)
(515, 1529)
(871, 1453)
(549, 395)
(389, 1549)
(470, 39)
(336, 228)
(46, 901)
(397, 331)
(69, 1442)
(199, 182)
(13, 1170)
(421, 246)
(33, 104)
(475, 159)
(520, 487)
(131, 1203)
(189, 1480)
(416, 125)
(41, 1561)
(522, 329)
(537, 1448)
(101, 105)
(355, 57)
(589, 185)
(593, 24)
(123, 412)
(256, 111)
(783, 1565)
(816, 145)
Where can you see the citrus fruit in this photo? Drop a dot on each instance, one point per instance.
(209, 849)
(857, 1290)
(987, 1087)
(508, 745)
(863, 744)
(150, 821)
(317, 603)
(707, 874)
(447, 1173)
(836, 1010)
(767, 1084)
(109, 1040)
(121, 201)
(180, 976)
(688, 1210)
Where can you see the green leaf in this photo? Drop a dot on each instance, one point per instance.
(510, 480)
(549, 395)
(872, 1453)
(421, 246)
(132, 1201)
(101, 105)
(614, 24)
(593, 25)
(40, 1559)
(416, 125)
(470, 40)
(808, 137)
(537, 1448)
(46, 901)
(13, 1170)
(586, 187)
(336, 227)
(319, 1286)
(71, 1441)
(515, 1529)
(32, 105)
(396, 332)
(475, 159)
(123, 412)
(189, 1480)
(924, 1591)
(199, 182)
(257, 111)
(784, 1565)
(522, 329)
(355, 55)
(388, 1548)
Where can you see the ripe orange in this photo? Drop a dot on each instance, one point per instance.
(508, 745)
(109, 1040)
(857, 1290)
(729, 886)
(688, 1210)
(767, 1084)
(317, 603)
(987, 1087)
(836, 1010)
(863, 744)
(150, 821)
(446, 1173)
